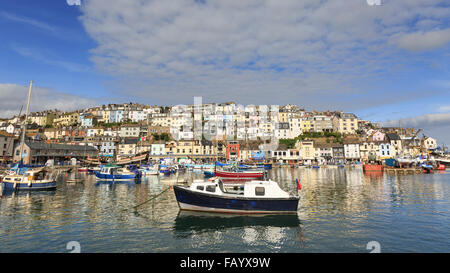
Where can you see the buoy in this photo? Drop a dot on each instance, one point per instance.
(299, 186)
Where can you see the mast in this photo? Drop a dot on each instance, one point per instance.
(25, 123)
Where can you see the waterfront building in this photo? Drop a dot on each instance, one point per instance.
(351, 150)
(39, 152)
(158, 148)
(233, 150)
(306, 149)
(396, 143)
(385, 150)
(127, 147)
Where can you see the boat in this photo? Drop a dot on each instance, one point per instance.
(239, 174)
(427, 168)
(92, 170)
(115, 173)
(83, 169)
(440, 167)
(146, 171)
(257, 197)
(33, 179)
(368, 167)
(208, 173)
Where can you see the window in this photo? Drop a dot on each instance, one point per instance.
(211, 188)
(200, 188)
(259, 191)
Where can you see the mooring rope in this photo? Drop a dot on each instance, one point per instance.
(153, 197)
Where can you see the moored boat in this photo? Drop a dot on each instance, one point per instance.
(240, 174)
(114, 173)
(367, 167)
(34, 179)
(256, 197)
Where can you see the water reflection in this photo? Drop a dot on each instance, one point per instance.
(204, 221)
(340, 210)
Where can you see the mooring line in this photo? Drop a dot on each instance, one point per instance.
(152, 198)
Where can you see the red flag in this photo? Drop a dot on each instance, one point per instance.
(299, 186)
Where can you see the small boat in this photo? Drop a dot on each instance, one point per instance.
(115, 173)
(83, 169)
(440, 167)
(240, 174)
(427, 168)
(255, 197)
(149, 171)
(92, 170)
(33, 179)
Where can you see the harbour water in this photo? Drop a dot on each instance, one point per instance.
(340, 210)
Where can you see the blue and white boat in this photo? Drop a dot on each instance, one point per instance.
(254, 197)
(115, 173)
(31, 179)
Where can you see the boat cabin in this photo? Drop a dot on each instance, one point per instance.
(253, 189)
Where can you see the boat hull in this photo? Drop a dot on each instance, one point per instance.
(195, 201)
(249, 175)
(25, 186)
(114, 177)
(372, 168)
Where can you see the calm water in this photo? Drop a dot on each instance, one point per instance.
(340, 210)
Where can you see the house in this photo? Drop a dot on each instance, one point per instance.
(396, 143)
(429, 143)
(158, 148)
(130, 130)
(385, 150)
(127, 147)
(306, 150)
(351, 150)
(345, 123)
(7, 142)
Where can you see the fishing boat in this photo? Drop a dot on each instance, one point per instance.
(256, 197)
(115, 173)
(368, 167)
(33, 179)
(239, 174)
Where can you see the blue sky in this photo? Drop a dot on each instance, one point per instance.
(386, 63)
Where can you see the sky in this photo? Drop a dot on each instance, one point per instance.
(388, 63)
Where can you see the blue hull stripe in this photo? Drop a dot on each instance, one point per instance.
(33, 186)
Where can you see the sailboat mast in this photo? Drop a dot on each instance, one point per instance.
(22, 142)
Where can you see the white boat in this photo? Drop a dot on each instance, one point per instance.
(254, 197)
(34, 179)
(149, 171)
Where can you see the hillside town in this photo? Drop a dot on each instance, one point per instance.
(206, 133)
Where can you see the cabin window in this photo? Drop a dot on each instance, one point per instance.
(259, 191)
(200, 188)
(17, 179)
(211, 188)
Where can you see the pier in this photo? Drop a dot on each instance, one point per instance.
(403, 170)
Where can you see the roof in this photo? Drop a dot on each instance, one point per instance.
(391, 136)
(43, 146)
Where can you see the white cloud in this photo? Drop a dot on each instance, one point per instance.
(311, 52)
(73, 2)
(13, 96)
(420, 41)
